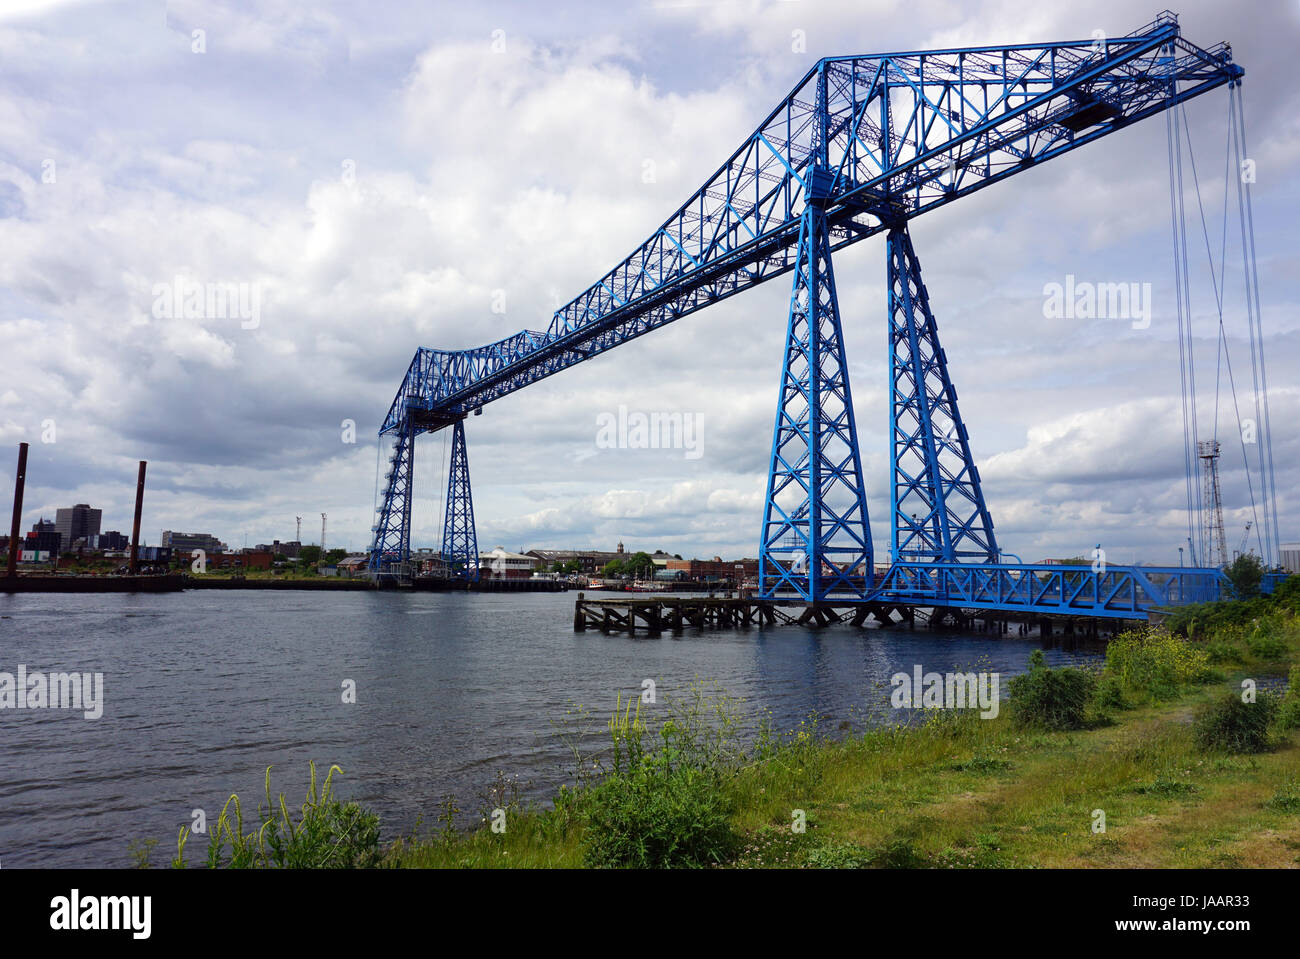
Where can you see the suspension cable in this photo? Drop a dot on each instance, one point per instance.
(1250, 266)
(442, 494)
(1232, 382)
(1205, 232)
(1175, 183)
(1223, 354)
(374, 497)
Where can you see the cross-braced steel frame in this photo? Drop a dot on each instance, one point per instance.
(861, 146)
(938, 507)
(816, 537)
(390, 552)
(459, 540)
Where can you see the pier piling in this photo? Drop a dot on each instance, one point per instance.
(135, 526)
(20, 482)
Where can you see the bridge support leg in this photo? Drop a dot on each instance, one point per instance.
(459, 540)
(938, 511)
(816, 538)
(390, 550)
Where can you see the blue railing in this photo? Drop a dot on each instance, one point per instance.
(1119, 592)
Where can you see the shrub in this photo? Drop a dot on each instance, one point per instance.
(664, 807)
(957, 725)
(1051, 698)
(1224, 654)
(1211, 619)
(1286, 799)
(329, 834)
(1267, 647)
(651, 818)
(1265, 640)
(1245, 574)
(1199, 620)
(1288, 714)
(1230, 725)
(1287, 594)
(1110, 694)
(1156, 663)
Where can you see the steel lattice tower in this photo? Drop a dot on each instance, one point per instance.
(816, 538)
(459, 541)
(938, 507)
(392, 546)
(1216, 547)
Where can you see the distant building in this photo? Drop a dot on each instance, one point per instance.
(44, 539)
(353, 565)
(714, 570)
(186, 542)
(112, 540)
(1291, 557)
(669, 575)
(288, 550)
(76, 523)
(250, 559)
(40, 545)
(502, 564)
(44, 536)
(151, 554)
(589, 561)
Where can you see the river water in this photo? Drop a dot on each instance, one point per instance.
(204, 689)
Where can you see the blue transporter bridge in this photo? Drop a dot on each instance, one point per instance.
(861, 146)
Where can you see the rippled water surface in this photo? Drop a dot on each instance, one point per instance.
(204, 690)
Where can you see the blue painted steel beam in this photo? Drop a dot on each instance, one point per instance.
(1272, 581)
(390, 550)
(816, 538)
(905, 133)
(1113, 592)
(459, 540)
(937, 506)
(890, 136)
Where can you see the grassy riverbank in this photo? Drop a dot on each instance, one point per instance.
(981, 794)
(1155, 761)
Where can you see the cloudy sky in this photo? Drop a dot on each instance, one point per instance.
(386, 176)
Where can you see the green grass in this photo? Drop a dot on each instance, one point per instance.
(949, 795)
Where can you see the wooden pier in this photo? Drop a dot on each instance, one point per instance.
(654, 615)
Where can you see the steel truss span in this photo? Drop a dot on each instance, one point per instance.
(1112, 592)
(860, 146)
